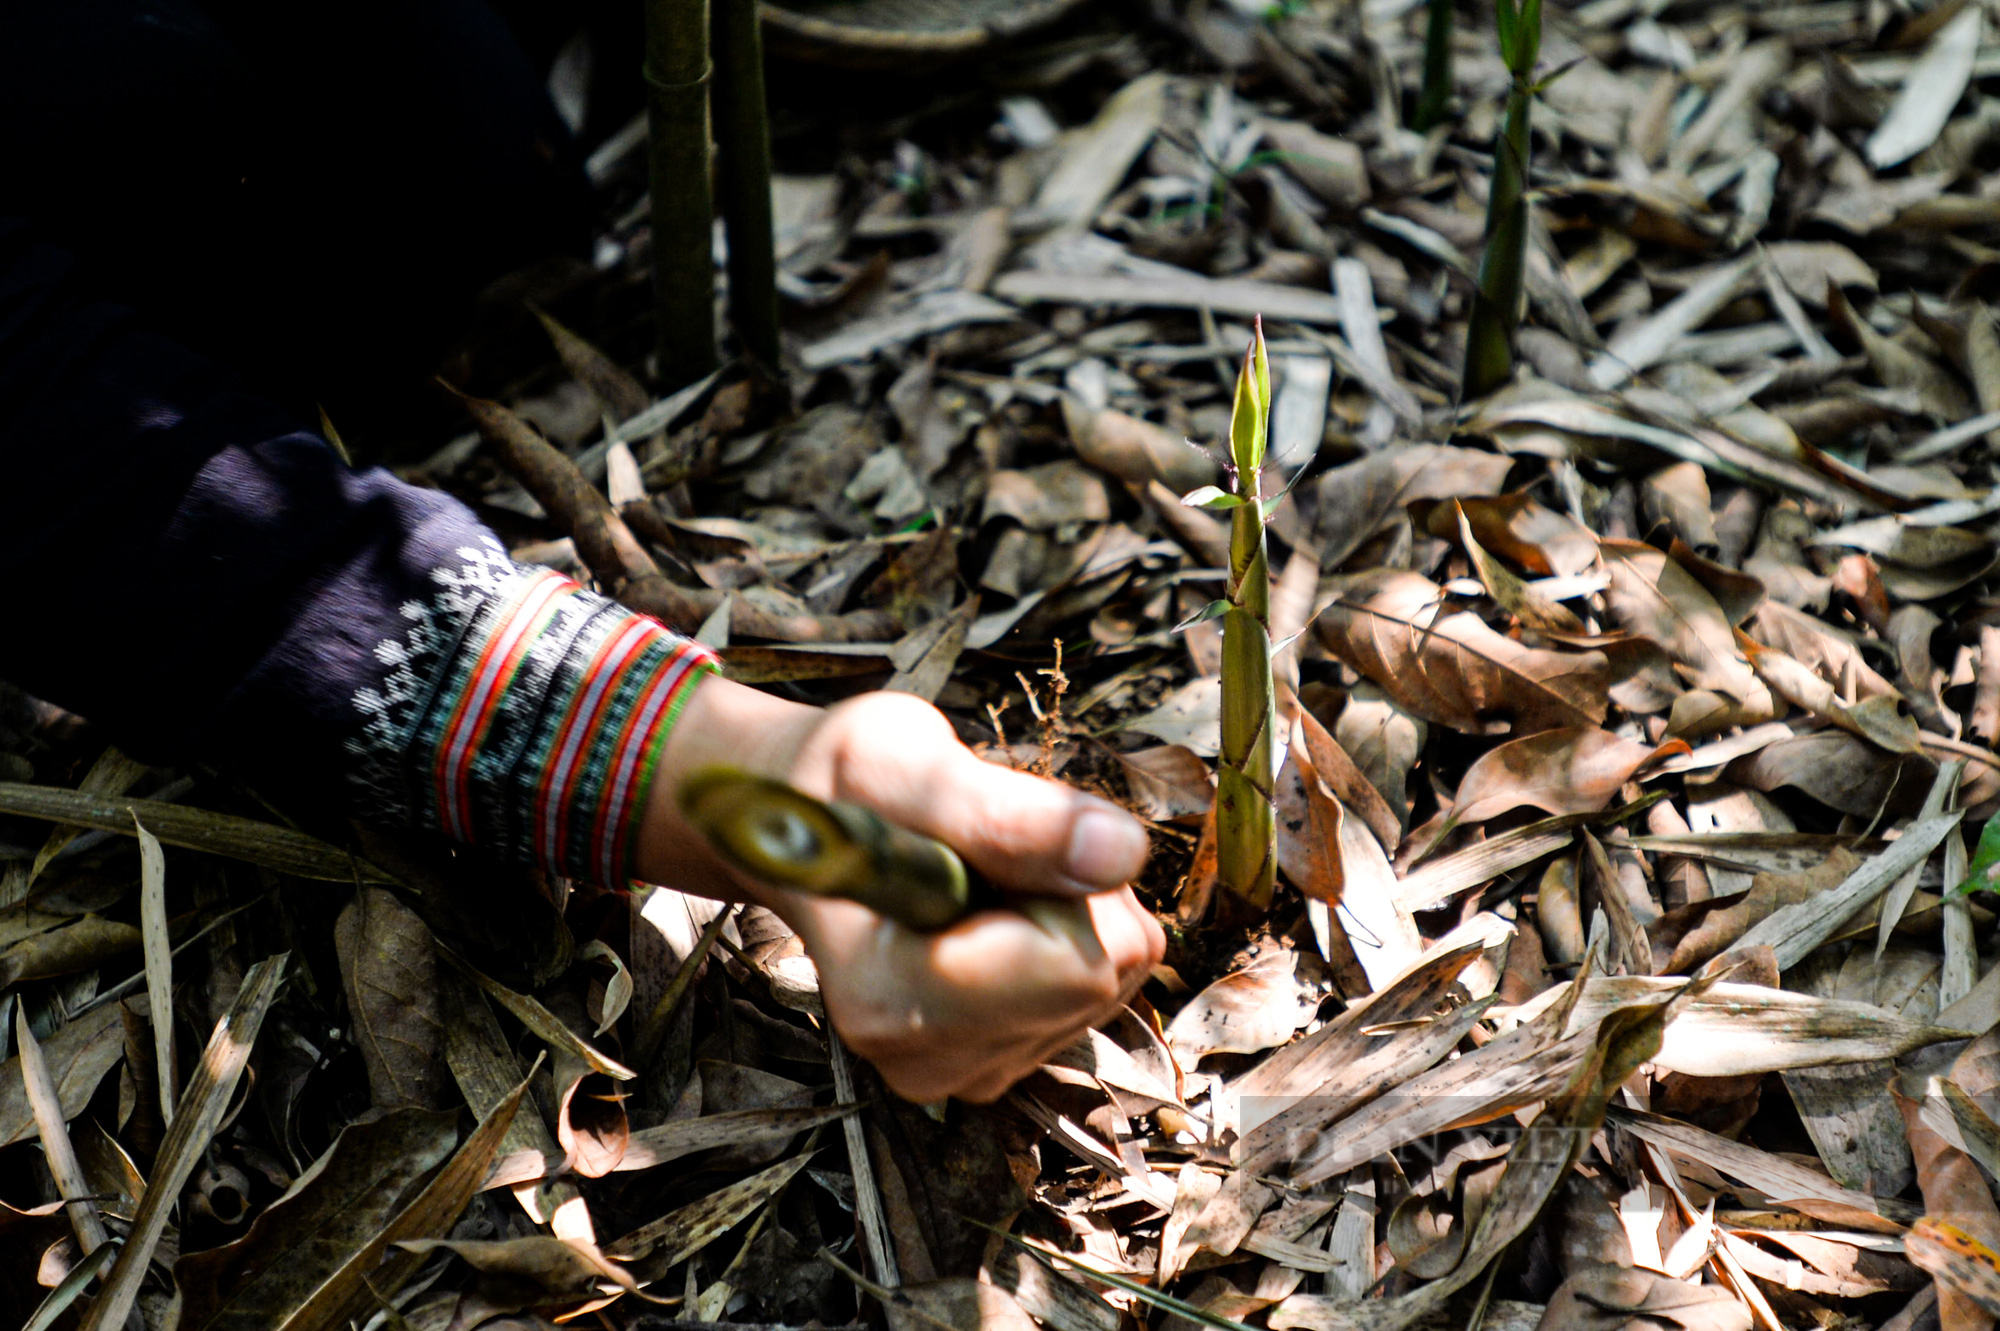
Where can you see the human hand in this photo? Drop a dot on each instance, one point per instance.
(969, 1010)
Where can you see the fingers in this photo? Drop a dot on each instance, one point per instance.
(899, 755)
(970, 1011)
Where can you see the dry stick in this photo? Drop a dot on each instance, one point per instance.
(743, 175)
(677, 72)
(619, 559)
(1958, 747)
(61, 1156)
(197, 1116)
(867, 1197)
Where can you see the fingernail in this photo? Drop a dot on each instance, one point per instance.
(1106, 847)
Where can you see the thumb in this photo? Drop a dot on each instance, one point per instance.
(1021, 831)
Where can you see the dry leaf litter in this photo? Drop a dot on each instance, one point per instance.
(1639, 728)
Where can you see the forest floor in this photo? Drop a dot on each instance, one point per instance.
(1627, 968)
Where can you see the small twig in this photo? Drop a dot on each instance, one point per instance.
(1959, 748)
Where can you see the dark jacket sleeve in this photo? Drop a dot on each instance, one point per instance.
(205, 578)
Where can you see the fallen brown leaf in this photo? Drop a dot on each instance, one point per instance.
(1452, 668)
(1577, 769)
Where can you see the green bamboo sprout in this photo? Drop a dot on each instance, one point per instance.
(677, 78)
(1435, 98)
(743, 176)
(785, 837)
(1245, 818)
(1496, 305)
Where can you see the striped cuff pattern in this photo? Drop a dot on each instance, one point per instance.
(525, 720)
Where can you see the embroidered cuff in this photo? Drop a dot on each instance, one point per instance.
(526, 720)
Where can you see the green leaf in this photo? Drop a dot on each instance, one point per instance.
(1213, 610)
(1212, 497)
(1507, 19)
(1530, 37)
(1542, 84)
(1983, 874)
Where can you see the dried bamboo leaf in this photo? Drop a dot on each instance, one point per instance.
(1735, 1029)
(1935, 84)
(1238, 296)
(1244, 1012)
(1577, 769)
(335, 1208)
(545, 1025)
(81, 944)
(1964, 1266)
(1484, 861)
(1540, 1159)
(196, 1118)
(486, 1071)
(78, 1055)
(1780, 1179)
(1096, 158)
(112, 774)
(1640, 348)
(650, 1147)
(1796, 930)
(1063, 1304)
(679, 1234)
(63, 1295)
(273, 847)
(351, 1289)
(57, 1151)
(159, 965)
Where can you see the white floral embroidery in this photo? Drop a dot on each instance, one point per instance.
(392, 713)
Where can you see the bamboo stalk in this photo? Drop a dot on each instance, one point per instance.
(677, 79)
(743, 176)
(1496, 305)
(1435, 98)
(1245, 818)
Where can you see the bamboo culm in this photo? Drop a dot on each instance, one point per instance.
(1245, 816)
(1496, 305)
(1435, 99)
(677, 85)
(743, 176)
